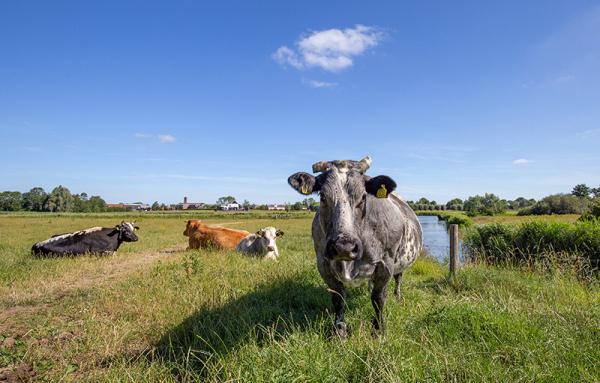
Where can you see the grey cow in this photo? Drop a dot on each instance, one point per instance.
(362, 232)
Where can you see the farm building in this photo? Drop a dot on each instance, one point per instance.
(230, 206)
(129, 206)
(185, 205)
(275, 206)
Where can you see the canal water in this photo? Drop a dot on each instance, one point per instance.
(436, 239)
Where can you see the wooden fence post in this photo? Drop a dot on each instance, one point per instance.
(454, 261)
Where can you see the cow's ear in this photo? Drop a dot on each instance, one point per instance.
(380, 186)
(279, 233)
(304, 183)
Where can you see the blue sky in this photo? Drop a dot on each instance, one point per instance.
(156, 100)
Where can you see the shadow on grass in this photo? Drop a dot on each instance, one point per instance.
(271, 311)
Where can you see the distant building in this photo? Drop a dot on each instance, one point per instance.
(130, 206)
(230, 206)
(275, 207)
(185, 205)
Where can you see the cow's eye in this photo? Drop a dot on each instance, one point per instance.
(361, 203)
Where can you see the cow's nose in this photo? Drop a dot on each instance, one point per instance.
(271, 248)
(346, 248)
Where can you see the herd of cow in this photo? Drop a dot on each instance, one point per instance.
(104, 241)
(362, 231)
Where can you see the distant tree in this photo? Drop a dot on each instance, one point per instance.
(246, 204)
(297, 206)
(225, 200)
(453, 203)
(59, 200)
(558, 204)
(34, 199)
(96, 204)
(581, 191)
(488, 204)
(423, 201)
(155, 206)
(521, 202)
(596, 192)
(11, 201)
(79, 205)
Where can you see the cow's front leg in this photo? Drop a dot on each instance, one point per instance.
(378, 295)
(398, 279)
(338, 298)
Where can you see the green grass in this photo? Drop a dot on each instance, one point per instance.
(150, 315)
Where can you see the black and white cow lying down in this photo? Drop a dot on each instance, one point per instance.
(95, 240)
(362, 231)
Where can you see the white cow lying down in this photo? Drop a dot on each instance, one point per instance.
(261, 244)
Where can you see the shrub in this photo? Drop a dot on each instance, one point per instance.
(593, 214)
(557, 204)
(489, 204)
(578, 243)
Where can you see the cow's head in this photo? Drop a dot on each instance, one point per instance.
(343, 188)
(266, 238)
(127, 231)
(191, 226)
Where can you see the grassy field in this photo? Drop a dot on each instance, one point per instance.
(158, 313)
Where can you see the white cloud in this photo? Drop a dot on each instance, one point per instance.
(166, 138)
(563, 79)
(321, 84)
(286, 56)
(332, 50)
(521, 161)
(588, 133)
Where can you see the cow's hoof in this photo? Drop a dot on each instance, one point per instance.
(340, 329)
(378, 328)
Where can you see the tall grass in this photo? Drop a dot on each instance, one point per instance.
(540, 243)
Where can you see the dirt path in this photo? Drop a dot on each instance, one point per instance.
(24, 303)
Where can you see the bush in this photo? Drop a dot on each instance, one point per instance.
(489, 204)
(558, 204)
(577, 243)
(593, 214)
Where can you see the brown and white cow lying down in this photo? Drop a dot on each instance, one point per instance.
(261, 244)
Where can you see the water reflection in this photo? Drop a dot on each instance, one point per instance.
(435, 237)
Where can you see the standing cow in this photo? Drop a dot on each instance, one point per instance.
(361, 232)
(97, 240)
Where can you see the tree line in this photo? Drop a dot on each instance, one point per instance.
(581, 200)
(59, 199)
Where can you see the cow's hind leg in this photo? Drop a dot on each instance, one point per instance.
(398, 279)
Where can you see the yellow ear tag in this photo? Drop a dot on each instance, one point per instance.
(382, 192)
(304, 189)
